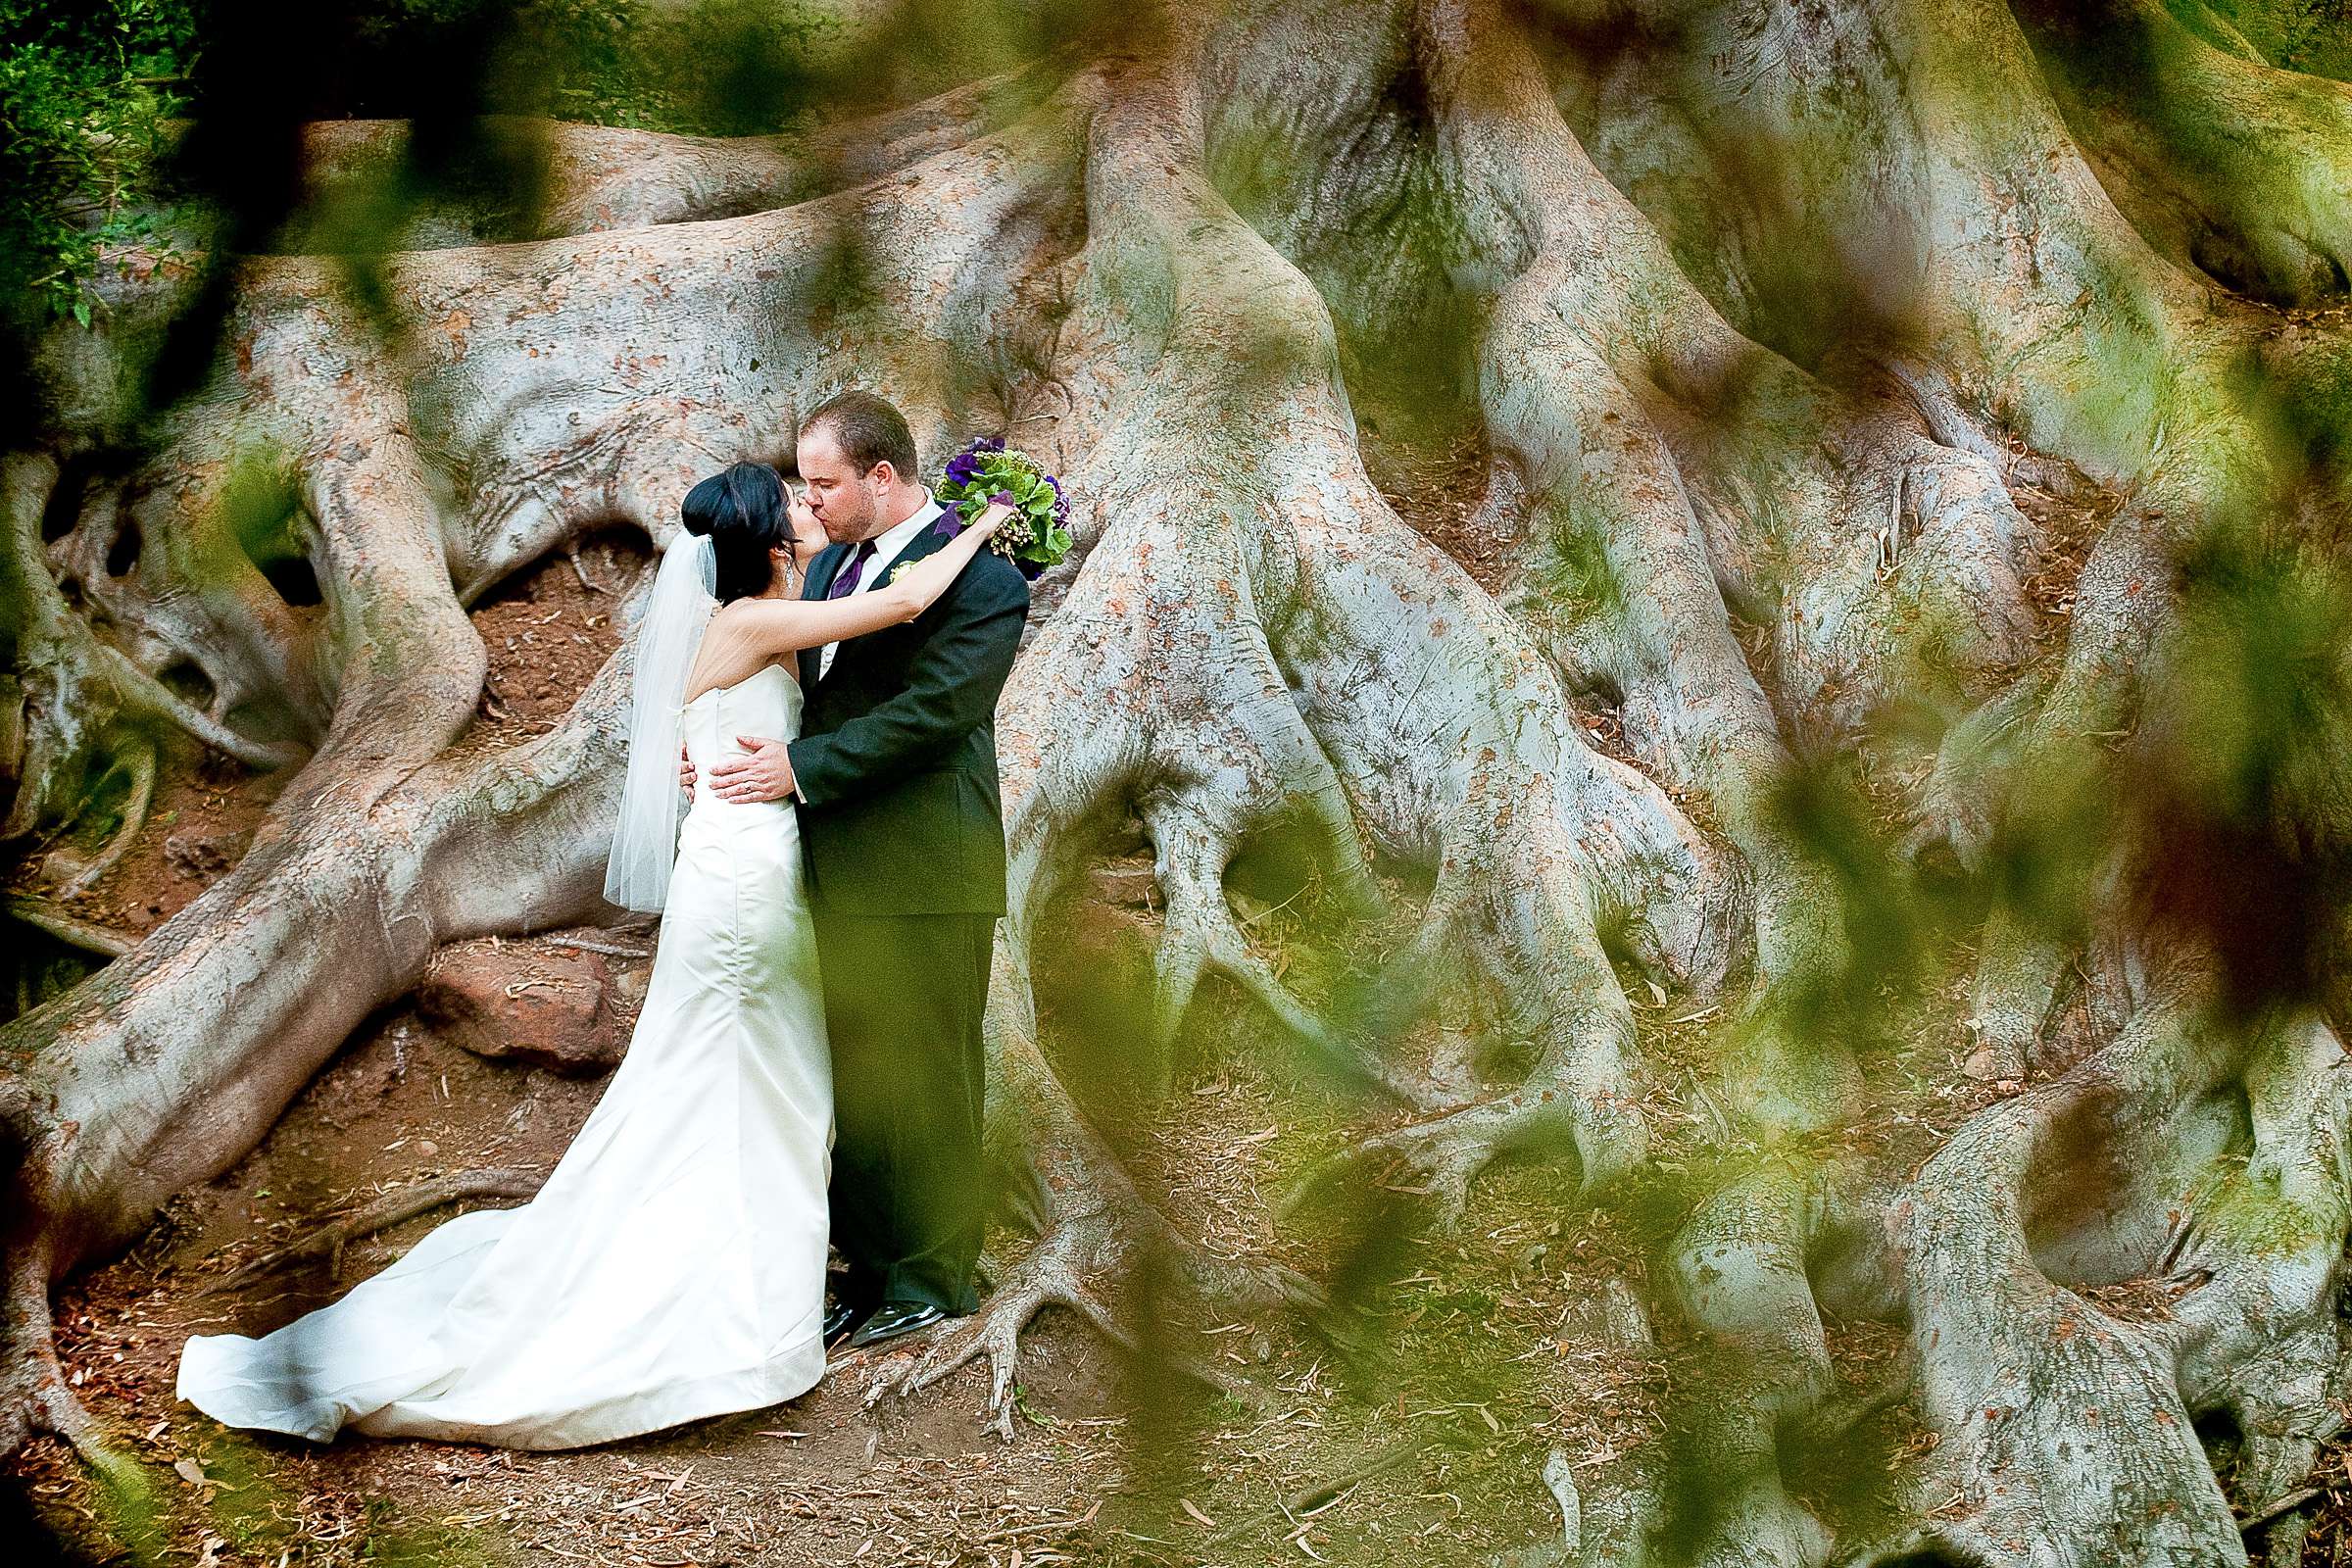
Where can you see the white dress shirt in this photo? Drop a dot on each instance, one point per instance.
(889, 545)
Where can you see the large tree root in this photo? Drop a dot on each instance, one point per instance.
(604, 177)
(1338, 669)
(2066, 1435)
(1748, 523)
(2218, 158)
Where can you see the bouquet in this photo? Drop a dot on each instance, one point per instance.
(1036, 535)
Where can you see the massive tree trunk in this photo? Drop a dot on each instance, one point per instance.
(1762, 317)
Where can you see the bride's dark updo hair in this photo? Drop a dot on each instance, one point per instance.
(740, 510)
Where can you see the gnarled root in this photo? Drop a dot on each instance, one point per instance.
(2066, 1438)
(2219, 158)
(381, 1213)
(1089, 1261)
(1741, 1278)
(1102, 1250)
(1308, 655)
(2258, 1328)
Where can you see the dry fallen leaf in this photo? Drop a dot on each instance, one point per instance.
(1198, 1517)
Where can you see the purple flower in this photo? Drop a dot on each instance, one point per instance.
(962, 467)
(988, 443)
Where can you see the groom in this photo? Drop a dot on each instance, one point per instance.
(895, 776)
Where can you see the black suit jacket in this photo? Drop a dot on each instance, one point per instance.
(896, 765)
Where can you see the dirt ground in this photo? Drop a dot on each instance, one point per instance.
(1411, 1427)
(824, 1479)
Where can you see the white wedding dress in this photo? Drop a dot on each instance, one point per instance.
(673, 1265)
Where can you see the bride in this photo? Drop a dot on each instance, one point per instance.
(673, 1265)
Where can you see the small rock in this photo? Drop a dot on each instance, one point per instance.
(625, 989)
(532, 1006)
(1984, 1064)
(194, 853)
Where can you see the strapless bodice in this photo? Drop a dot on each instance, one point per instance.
(766, 703)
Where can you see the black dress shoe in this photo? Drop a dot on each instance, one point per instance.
(840, 1317)
(894, 1318)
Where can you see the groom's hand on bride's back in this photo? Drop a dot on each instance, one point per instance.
(685, 769)
(763, 775)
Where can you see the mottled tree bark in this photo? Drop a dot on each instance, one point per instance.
(1759, 309)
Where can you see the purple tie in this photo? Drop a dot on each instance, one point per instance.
(847, 582)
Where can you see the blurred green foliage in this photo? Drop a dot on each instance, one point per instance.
(2239, 784)
(2313, 35)
(99, 104)
(85, 92)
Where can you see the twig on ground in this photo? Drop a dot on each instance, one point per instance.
(610, 950)
(384, 1212)
(2283, 1507)
(1046, 1527)
(1313, 1498)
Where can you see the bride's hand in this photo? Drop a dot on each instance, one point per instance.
(998, 510)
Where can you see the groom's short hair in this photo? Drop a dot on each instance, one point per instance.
(868, 430)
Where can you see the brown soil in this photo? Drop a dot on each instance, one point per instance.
(205, 811)
(550, 630)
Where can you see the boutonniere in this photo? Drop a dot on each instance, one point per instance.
(898, 571)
